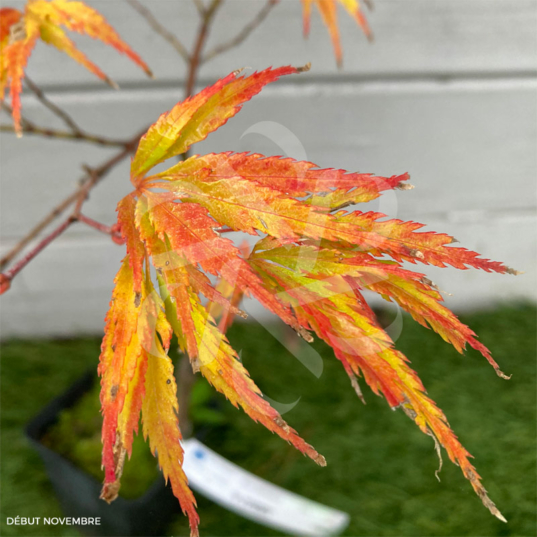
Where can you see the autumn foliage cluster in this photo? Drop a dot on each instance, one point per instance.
(314, 257)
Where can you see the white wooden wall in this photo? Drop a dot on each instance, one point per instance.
(447, 92)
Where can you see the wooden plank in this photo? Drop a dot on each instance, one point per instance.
(468, 146)
(411, 37)
(66, 290)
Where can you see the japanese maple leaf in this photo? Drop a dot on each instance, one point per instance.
(328, 11)
(44, 20)
(310, 266)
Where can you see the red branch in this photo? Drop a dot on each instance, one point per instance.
(95, 175)
(12, 272)
(6, 277)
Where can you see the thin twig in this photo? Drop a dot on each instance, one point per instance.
(12, 272)
(186, 375)
(195, 59)
(103, 228)
(30, 128)
(9, 110)
(36, 230)
(76, 216)
(185, 383)
(56, 110)
(160, 29)
(198, 47)
(98, 172)
(85, 189)
(200, 7)
(243, 34)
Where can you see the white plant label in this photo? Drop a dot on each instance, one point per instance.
(252, 497)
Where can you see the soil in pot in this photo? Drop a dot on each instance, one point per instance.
(77, 437)
(67, 436)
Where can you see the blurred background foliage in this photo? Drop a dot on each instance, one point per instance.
(380, 466)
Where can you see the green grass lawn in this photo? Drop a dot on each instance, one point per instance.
(380, 467)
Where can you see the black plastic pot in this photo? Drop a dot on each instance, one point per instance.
(78, 491)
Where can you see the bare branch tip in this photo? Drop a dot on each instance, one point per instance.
(196, 365)
(502, 375)
(405, 186)
(110, 491)
(304, 68)
(89, 170)
(438, 451)
(305, 335)
(356, 386)
(112, 83)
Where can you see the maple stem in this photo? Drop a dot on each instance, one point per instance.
(200, 7)
(185, 383)
(74, 217)
(96, 176)
(56, 110)
(195, 59)
(36, 230)
(160, 29)
(186, 378)
(30, 128)
(103, 228)
(12, 272)
(243, 34)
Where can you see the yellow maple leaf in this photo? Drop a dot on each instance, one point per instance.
(44, 19)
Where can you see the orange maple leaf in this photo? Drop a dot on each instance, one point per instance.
(328, 11)
(310, 266)
(44, 20)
